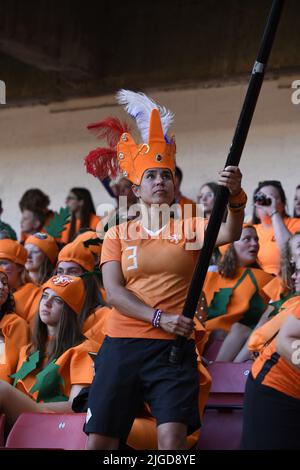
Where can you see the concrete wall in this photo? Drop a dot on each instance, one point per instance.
(44, 146)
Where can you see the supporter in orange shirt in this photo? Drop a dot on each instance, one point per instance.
(188, 206)
(83, 213)
(34, 205)
(274, 227)
(272, 400)
(234, 295)
(42, 252)
(55, 366)
(297, 202)
(147, 266)
(14, 331)
(77, 260)
(13, 257)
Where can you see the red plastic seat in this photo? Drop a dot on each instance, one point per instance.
(221, 429)
(48, 431)
(228, 382)
(223, 416)
(2, 424)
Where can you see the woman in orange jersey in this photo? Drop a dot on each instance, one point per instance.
(42, 252)
(14, 331)
(77, 260)
(274, 227)
(83, 213)
(272, 400)
(234, 294)
(13, 257)
(55, 366)
(147, 265)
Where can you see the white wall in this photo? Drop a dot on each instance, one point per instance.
(43, 146)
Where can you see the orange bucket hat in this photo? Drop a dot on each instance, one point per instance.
(13, 251)
(70, 288)
(87, 236)
(45, 243)
(77, 253)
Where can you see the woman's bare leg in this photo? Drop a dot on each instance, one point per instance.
(233, 342)
(172, 436)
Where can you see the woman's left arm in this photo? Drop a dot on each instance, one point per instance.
(288, 341)
(231, 230)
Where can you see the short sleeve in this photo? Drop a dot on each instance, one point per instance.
(111, 249)
(81, 367)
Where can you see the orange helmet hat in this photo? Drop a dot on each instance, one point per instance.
(45, 243)
(70, 288)
(87, 236)
(13, 251)
(157, 150)
(77, 253)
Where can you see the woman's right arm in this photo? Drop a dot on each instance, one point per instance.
(128, 304)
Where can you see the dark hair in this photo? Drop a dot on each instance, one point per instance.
(179, 174)
(8, 306)
(34, 200)
(212, 186)
(276, 184)
(93, 297)
(45, 270)
(68, 336)
(86, 211)
(294, 214)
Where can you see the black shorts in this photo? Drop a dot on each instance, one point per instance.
(131, 371)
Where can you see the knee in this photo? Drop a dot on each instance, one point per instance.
(172, 441)
(98, 442)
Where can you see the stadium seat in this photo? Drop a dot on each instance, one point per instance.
(212, 348)
(223, 416)
(48, 431)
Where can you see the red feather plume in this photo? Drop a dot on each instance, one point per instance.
(102, 162)
(110, 129)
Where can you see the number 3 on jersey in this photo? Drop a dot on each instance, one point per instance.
(133, 257)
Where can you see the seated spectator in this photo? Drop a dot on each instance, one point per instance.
(6, 231)
(14, 331)
(274, 226)
(34, 205)
(206, 197)
(55, 366)
(42, 256)
(297, 202)
(234, 294)
(76, 260)
(190, 209)
(272, 399)
(13, 257)
(83, 213)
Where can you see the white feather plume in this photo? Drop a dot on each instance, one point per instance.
(139, 107)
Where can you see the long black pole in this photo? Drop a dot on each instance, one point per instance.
(233, 158)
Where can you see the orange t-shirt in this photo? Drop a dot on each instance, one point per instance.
(239, 302)
(282, 376)
(27, 299)
(94, 326)
(269, 253)
(93, 223)
(275, 289)
(192, 211)
(15, 333)
(157, 269)
(265, 332)
(75, 367)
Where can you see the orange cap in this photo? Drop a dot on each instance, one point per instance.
(77, 253)
(45, 243)
(70, 288)
(135, 159)
(13, 251)
(89, 235)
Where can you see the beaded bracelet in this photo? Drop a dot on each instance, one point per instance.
(156, 318)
